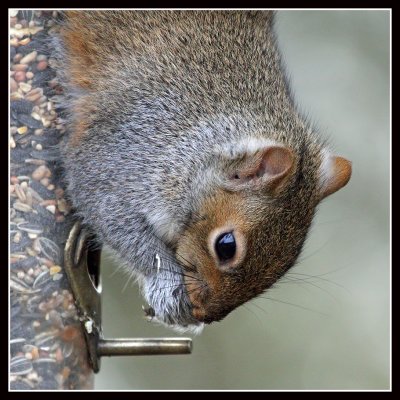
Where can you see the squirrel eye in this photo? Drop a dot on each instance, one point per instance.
(225, 246)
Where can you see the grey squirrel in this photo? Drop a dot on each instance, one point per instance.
(187, 156)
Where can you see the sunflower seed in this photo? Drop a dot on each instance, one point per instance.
(50, 249)
(20, 366)
(16, 344)
(44, 360)
(47, 340)
(20, 193)
(23, 178)
(21, 106)
(29, 121)
(39, 192)
(25, 263)
(18, 220)
(47, 154)
(22, 384)
(41, 279)
(30, 228)
(22, 207)
(18, 256)
(35, 161)
(18, 285)
(17, 340)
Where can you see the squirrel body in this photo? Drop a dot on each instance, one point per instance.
(184, 142)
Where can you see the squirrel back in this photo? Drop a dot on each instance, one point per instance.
(185, 143)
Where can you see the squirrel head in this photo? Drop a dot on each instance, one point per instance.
(250, 229)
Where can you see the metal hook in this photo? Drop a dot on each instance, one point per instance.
(82, 266)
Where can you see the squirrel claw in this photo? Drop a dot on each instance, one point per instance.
(149, 312)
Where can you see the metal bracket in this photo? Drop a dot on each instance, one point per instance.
(82, 266)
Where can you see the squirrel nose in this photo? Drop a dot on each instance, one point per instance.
(209, 316)
(199, 314)
(209, 320)
(202, 317)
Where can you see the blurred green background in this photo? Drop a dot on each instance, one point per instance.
(335, 333)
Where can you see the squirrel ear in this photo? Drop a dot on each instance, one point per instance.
(267, 167)
(334, 174)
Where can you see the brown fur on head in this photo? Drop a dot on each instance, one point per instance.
(268, 226)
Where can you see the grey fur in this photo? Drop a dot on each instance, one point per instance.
(177, 93)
